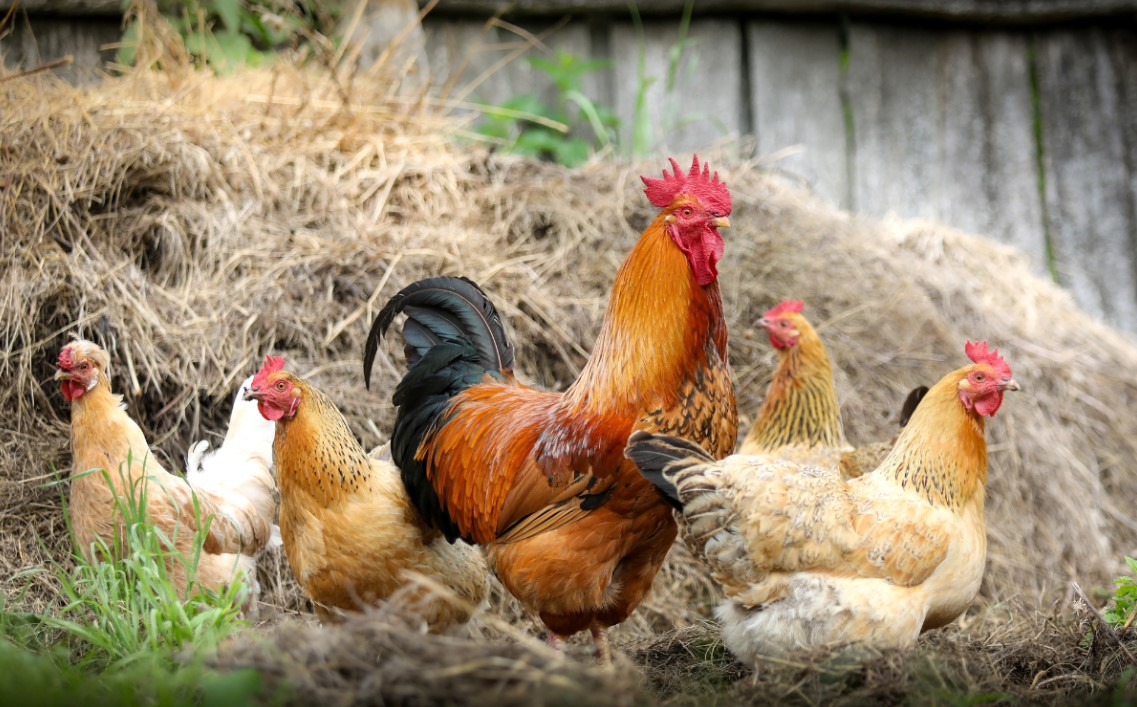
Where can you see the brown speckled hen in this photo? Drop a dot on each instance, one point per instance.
(351, 534)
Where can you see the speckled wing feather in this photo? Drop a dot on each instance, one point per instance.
(758, 519)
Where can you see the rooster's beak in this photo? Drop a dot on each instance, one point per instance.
(762, 322)
(1009, 384)
(252, 393)
(721, 222)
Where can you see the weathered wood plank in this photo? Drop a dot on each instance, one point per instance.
(470, 60)
(988, 171)
(1085, 85)
(705, 102)
(38, 40)
(1017, 12)
(942, 129)
(795, 79)
(893, 102)
(1020, 11)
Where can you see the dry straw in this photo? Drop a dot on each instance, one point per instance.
(192, 224)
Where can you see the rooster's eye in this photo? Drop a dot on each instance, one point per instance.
(979, 377)
(280, 386)
(687, 212)
(783, 324)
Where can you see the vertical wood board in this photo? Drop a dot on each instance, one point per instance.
(1089, 186)
(463, 53)
(706, 103)
(38, 40)
(942, 129)
(795, 79)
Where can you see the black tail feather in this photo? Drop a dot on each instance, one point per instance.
(654, 454)
(452, 338)
(442, 309)
(911, 403)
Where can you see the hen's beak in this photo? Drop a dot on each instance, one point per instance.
(61, 375)
(762, 322)
(252, 393)
(1009, 384)
(721, 222)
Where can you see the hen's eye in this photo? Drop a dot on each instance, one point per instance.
(979, 377)
(280, 386)
(687, 212)
(84, 366)
(783, 324)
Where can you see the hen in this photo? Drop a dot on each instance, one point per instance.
(800, 419)
(539, 478)
(807, 558)
(350, 532)
(104, 437)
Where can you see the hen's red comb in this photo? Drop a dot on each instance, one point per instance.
(272, 365)
(786, 305)
(66, 361)
(710, 192)
(977, 352)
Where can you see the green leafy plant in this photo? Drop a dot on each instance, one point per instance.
(227, 34)
(1124, 607)
(121, 633)
(568, 131)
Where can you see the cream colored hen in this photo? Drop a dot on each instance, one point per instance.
(808, 559)
(104, 437)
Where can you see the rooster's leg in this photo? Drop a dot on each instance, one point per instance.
(600, 639)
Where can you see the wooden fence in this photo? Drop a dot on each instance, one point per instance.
(998, 119)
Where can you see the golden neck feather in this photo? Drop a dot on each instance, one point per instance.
(942, 452)
(658, 323)
(801, 406)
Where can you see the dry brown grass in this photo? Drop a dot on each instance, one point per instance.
(192, 224)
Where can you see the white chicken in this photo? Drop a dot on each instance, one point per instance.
(241, 469)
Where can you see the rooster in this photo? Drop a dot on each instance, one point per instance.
(241, 468)
(539, 478)
(237, 515)
(800, 419)
(809, 559)
(351, 534)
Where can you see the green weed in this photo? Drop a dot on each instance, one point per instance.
(120, 633)
(529, 126)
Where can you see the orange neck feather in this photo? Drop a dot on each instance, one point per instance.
(657, 327)
(942, 452)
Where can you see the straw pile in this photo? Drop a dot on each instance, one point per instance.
(193, 224)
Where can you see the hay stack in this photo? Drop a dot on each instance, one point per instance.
(193, 224)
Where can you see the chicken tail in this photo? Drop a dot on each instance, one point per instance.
(673, 464)
(911, 403)
(692, 481)
(453, 337)
(442, 310)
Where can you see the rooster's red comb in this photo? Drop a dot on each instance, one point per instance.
(710, 192)
(977, 352)
(786, 305)
(272, 365)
